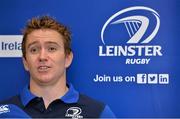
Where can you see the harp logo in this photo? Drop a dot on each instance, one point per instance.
(136, 25)
(141, 25)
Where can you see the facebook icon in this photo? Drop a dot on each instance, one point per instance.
(141, 78)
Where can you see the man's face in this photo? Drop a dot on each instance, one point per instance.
(45, 56)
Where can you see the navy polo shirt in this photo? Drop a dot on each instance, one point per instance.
(71, 105)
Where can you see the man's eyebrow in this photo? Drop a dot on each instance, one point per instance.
(48, 42)
(32, 44)
(51, 42)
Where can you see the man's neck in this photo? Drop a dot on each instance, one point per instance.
(49, 93)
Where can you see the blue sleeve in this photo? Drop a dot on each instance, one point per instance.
(107, 113)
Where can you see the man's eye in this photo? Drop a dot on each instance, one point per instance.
(34, 50)
(52, 49)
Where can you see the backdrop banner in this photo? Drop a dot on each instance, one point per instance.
(126, 52)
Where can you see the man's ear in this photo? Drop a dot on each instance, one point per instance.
(25, 64)
(68, 60)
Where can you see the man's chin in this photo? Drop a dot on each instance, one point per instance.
(45, 81)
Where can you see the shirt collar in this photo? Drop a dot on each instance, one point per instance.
(26, 96)
(71, 96)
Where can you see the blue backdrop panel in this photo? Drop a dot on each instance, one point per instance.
(135, 78)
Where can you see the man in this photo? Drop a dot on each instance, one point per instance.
(46, 55)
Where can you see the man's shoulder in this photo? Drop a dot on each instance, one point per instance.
(12, 108)
(12, 100)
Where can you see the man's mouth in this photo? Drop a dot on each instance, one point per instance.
(43, 68)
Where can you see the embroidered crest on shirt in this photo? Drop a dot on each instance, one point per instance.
(74, 113)
(4, 109)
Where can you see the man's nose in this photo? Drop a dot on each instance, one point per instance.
(43, 56)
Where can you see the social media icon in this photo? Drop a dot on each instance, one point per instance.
(141, 78)
(152, 78)
(163, 78)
